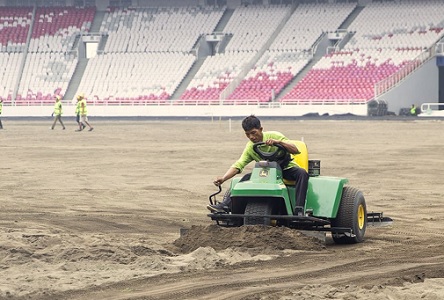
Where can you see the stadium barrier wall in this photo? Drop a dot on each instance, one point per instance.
(190, 110)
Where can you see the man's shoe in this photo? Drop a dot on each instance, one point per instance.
(91, 129)
(217, 208)
(83, 126)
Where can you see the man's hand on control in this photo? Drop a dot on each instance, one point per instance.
(271, 142)
(218, 181)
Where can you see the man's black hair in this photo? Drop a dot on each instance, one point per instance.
(251, 122)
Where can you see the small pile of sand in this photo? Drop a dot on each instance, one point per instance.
(259, 237)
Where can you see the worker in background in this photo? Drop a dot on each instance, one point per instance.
(77, 112)
(57, 112)
(413, 110)
(83, 112)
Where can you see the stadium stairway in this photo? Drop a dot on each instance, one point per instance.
(351, 17)
(97, 22)
(349, 20)
(76, 78)
(83, 62)
(220, 47)
(187, 79)
(75, 45)
(224, 20)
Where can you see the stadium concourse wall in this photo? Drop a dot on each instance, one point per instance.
(175, 110)
(420, 86)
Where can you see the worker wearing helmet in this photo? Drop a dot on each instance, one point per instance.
(81, 125)
(83, 111)
(57, 112)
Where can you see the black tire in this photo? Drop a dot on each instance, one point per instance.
(226, 199)
(255, 207)
(352, 214)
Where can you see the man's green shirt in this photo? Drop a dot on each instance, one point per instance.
(249, 155)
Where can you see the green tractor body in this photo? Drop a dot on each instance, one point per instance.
(323, 195)
(268, 199)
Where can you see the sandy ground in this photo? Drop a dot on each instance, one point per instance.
(96, 215)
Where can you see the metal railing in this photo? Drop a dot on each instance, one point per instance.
(393, 80)
(324, 102)
(429, 107)
(209, 102)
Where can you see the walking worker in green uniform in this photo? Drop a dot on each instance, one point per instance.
(77, 112)
(83, 112)
(1, 108)
(57, 112)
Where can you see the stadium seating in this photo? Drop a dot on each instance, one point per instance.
(158, 29)
(308, 22)
(414, 24)
(270, 75)
(9, 69)
(148, 52)
(14, 27)
(50, 63)
(249, 29)
(215, 75)
(46, 74)
(387, 38)
(249, 35)
(55, 28)
(134, 76)
(290, 51)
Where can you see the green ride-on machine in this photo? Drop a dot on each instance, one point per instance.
(268, 199)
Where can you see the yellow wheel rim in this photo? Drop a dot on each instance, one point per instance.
(361, 216)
